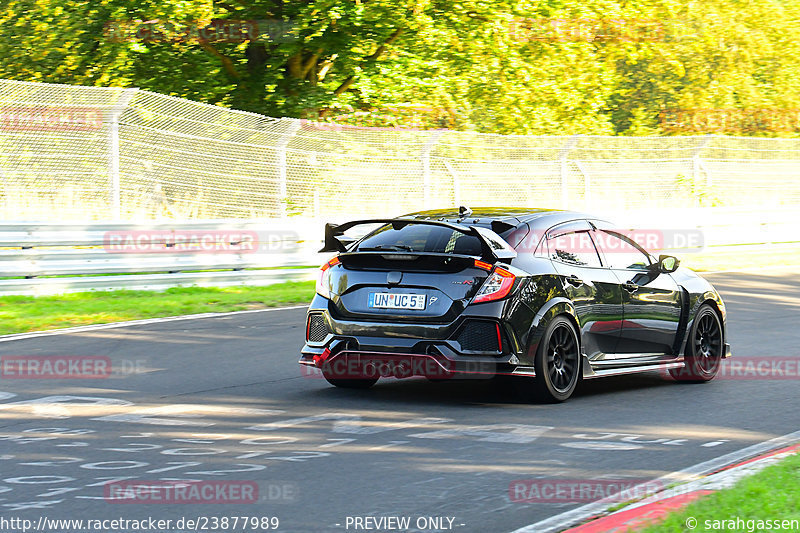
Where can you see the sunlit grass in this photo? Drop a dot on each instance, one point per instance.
(772, 494)
(33, 313)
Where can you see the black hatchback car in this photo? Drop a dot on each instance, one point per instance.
(546, 297)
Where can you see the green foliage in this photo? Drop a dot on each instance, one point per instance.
(487, 65)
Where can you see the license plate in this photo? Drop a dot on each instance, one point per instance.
(391, 300)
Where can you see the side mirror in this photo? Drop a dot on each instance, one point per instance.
(668, 263)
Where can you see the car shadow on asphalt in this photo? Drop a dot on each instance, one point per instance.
(488, 391)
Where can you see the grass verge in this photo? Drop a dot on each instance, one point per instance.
(772, 494)
(19, 314)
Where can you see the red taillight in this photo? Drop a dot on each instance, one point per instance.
(322, 285)
(499, 338)
(496, 286)
(483, 265)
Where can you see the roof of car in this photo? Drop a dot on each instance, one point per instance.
(511, 215)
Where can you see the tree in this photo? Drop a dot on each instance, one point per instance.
(504, 66)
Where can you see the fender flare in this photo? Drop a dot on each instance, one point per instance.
(707, 297)
(555, 307)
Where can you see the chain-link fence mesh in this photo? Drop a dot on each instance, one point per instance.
(69, 152)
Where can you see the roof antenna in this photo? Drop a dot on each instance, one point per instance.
(464, 212)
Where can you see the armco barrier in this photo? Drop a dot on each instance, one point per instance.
(47, 258)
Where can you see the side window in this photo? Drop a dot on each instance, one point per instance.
(620, 251)
(573, 247)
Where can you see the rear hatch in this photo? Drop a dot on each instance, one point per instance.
(415, 272)
(404, 286)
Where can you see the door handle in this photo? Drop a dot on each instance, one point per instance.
(630, 286)
(574, 280)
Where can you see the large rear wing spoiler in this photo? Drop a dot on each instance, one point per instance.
(493, 247)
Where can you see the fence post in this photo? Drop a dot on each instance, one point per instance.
(587, 187)
(425, 157)
(562, 157)
(456, 183)
(697, 165)
(280, 151)
(115, 200)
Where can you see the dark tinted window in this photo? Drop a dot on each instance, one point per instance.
(573, 248)
(621, 252)
(429, 238)
(422, 238)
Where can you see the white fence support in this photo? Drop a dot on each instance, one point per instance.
(283, 171)
(697, 164)
(425, 158)
(114, 152)
(563, 157)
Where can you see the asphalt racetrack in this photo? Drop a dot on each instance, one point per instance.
(223, 400)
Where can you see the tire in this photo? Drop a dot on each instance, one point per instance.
(703, 355)
(351, 383)
(557, 364)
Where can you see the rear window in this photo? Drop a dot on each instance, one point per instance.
(421, 238)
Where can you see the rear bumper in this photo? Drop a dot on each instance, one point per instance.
(345, 359)
(349, 364)
(405, 348)
(404, 335)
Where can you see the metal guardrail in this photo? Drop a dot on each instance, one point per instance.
(46, 258)
(42, 286)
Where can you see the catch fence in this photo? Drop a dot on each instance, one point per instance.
(103, 153)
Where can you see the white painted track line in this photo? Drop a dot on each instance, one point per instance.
(143, 322)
